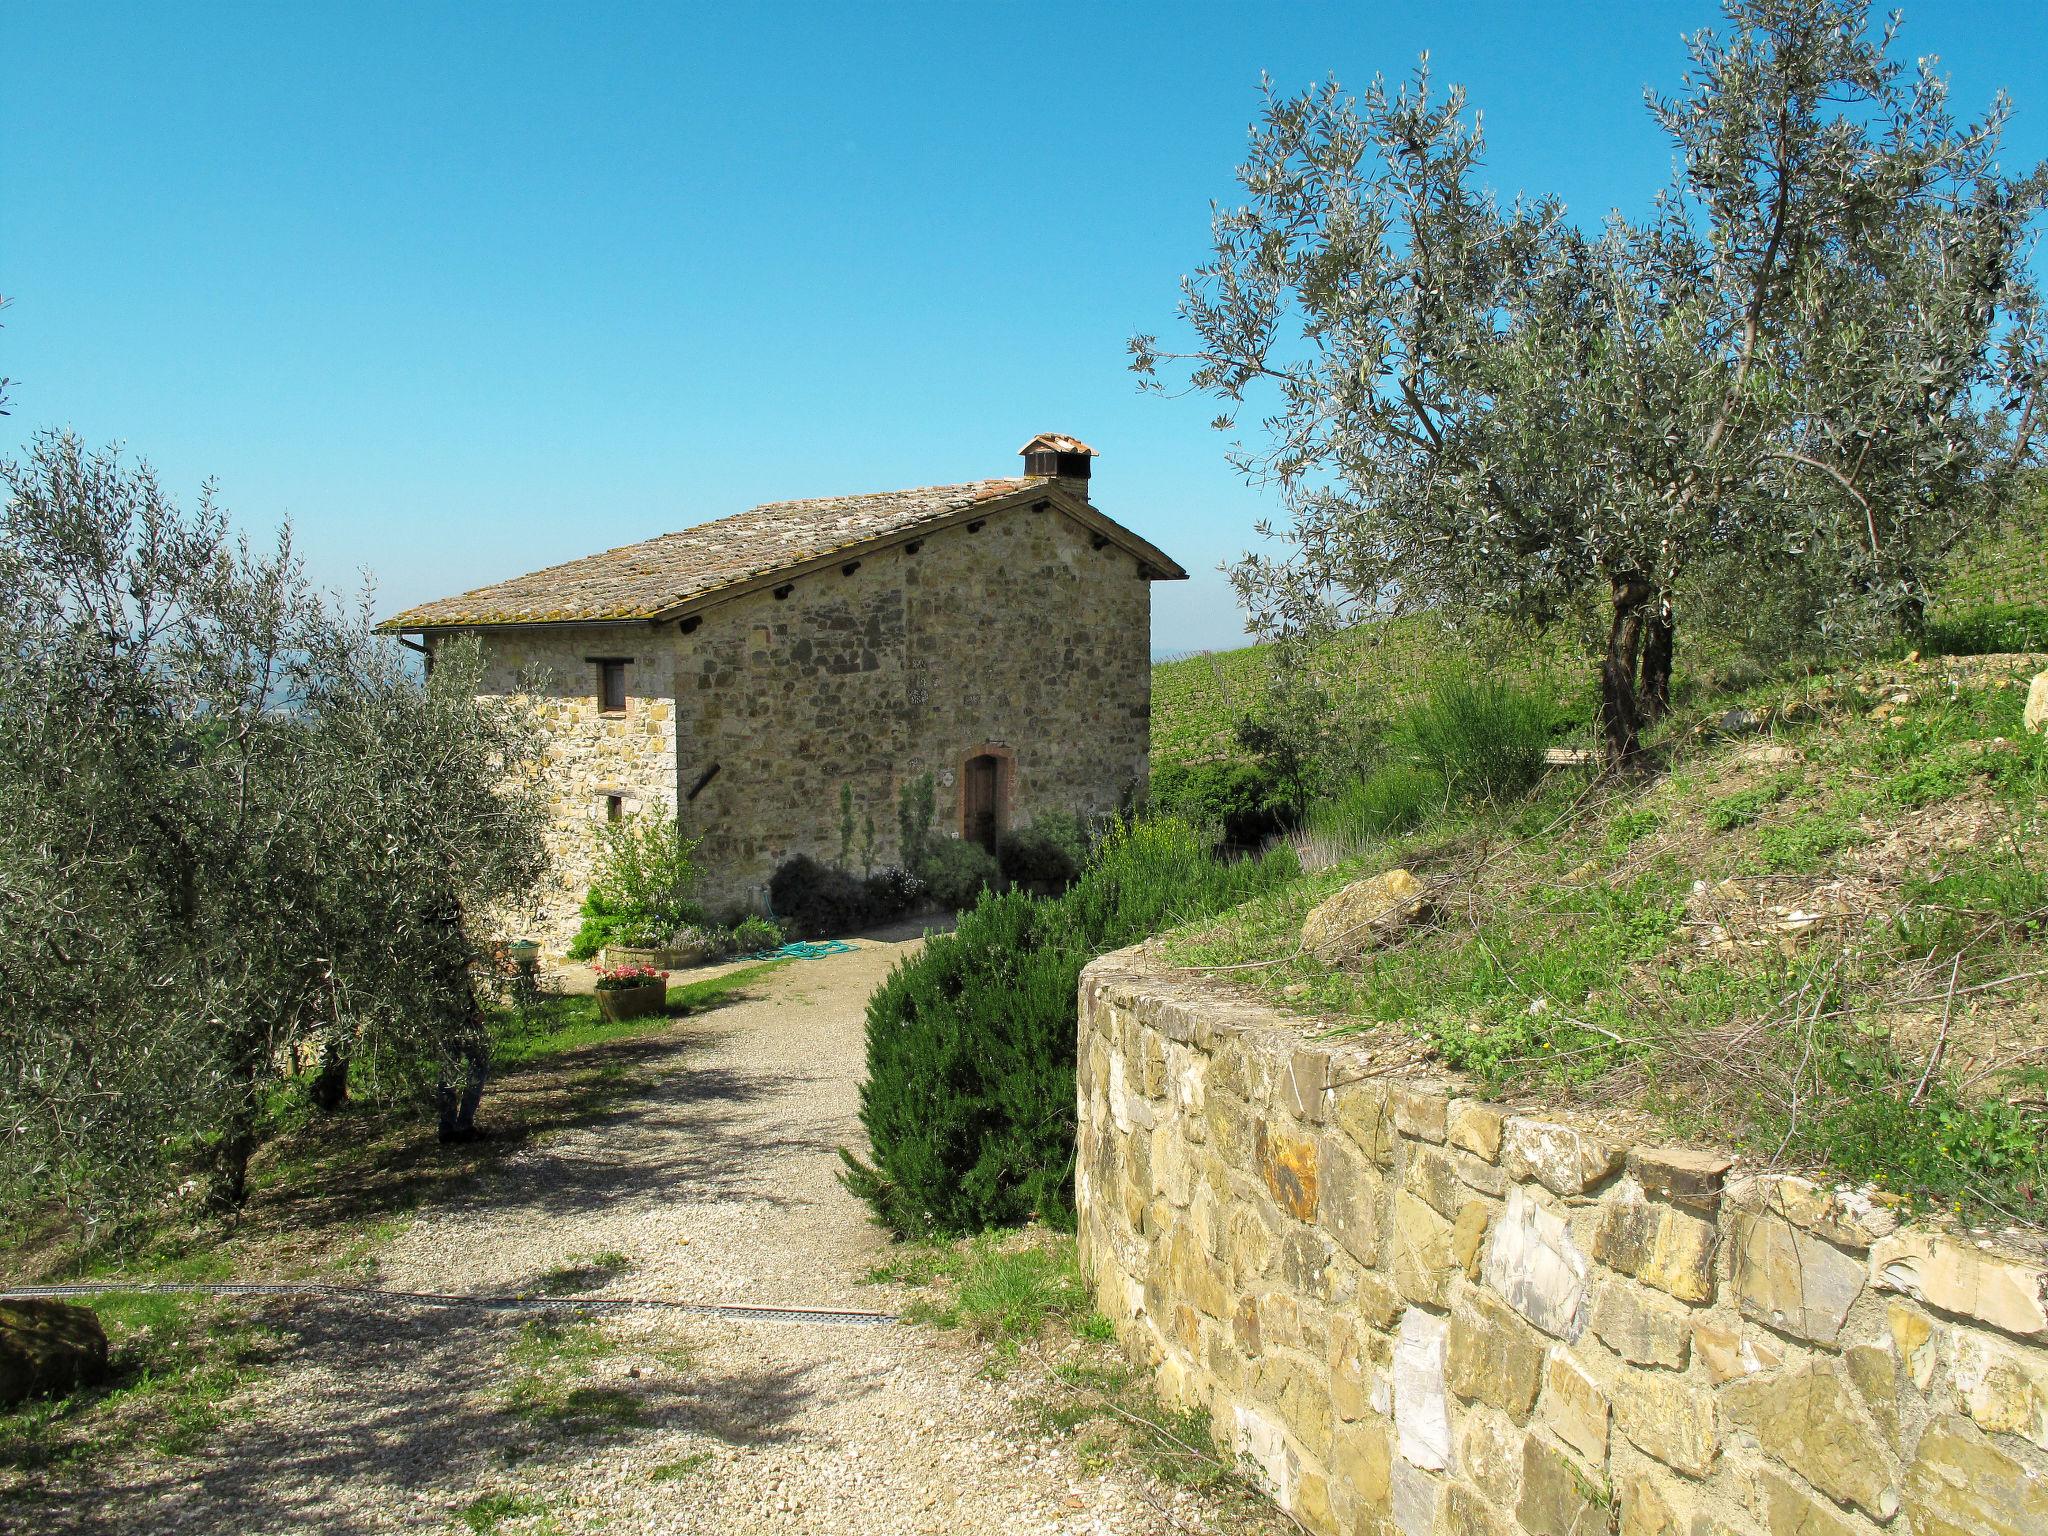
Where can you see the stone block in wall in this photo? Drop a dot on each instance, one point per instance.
(1360, 1111)
(1468, 1235)
(1562, 1158)
(1490, 1454)
(1289, 1167)
(1420, 1110)
(1790, 1510)
(1432, 1175)
(1680, 1174)
(1945, 1272)
(2003, 1388)
(1914, 1342)
(1853, 1218)
(1475, 1128)
(1960, 1484)
(1533, 1264)
(1421, 1407)
(1362, 1461)
(1641, 1328)
(1493, 1356)
(1465, 1513)
(1728, 1351)
(1424, 1262)
(1297, 1390)
(1349, 1207)
(1662, 1416)
(1194, 1275)
(1306, 1084)
(1657, 1244)
(1575, 1405)
(1874, 1373)
(1414, 1500)
(1557, 1499)
(1808, 1419)
(1791, 1279)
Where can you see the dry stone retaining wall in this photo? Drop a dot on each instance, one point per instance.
(1412, 1311)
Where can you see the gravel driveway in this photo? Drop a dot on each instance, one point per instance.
(715, 1179)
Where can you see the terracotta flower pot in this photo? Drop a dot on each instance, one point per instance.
(632, 1002)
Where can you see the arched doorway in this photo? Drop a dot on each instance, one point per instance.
(980, 800)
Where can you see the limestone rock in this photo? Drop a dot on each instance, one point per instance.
(2004, 1389)
(1420, 1110)
(1855, 1218)
(2036, 716)
(1680, 1174)
(1493, 1356)
(1362, 1460)
(1729, 1352)
(1490, 1454)
(1364, 914)
(1914, 1343)
(1349, 1202)
(1466, 1514)
(1662, 1247)
(1971, 1282)
(1289, 1169)
(1575, 1407)
(1533, 1263)
(1422, 1423)
(1475, 1128)
(1960, 1484)
(1665, 1418)
(1557, 1499)
(1807, 1419)
(48, 1348)
(1432, 1175)
(1424, 1259)
(1640, 1328)
(1414, 1500)
(1562, 1158)
(1468, 1235)
(1793, 1281)
(1789, 1510)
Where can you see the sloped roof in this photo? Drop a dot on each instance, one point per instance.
(662, 577)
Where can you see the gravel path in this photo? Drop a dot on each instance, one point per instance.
(716, 1180)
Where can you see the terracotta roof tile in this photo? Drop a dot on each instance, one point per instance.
(639, 581)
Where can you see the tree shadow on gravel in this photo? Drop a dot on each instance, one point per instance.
(424, 1404)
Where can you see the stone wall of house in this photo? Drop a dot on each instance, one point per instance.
(591, 755)
(1417, 1312)
(1020, 637)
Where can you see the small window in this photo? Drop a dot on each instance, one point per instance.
(614, 807)
(611, 687)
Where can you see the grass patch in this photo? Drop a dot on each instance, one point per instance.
(997, 1289)
(558, 1026)
(487, 1512)
(683, 1467)
(551, 1359)
(582, 1272)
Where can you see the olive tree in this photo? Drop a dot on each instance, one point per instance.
(235, 825)
(1819, 352)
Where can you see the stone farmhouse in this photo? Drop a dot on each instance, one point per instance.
(995, 634)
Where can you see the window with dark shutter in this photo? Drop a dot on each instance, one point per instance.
(611, 687)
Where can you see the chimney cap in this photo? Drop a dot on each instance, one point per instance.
(1058, 442)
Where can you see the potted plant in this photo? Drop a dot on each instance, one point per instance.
(628, 991)
(643, 946)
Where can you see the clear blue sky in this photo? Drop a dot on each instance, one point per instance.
(466, 290)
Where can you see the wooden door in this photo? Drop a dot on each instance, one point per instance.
(978, 793)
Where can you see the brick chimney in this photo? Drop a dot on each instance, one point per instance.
(1059, 457)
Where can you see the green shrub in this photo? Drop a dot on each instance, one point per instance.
(1051, 851)
(1485, 737)
(955, 872)
(756, 935)
(1243, 802)
(815, 900)
(969, 1098)
(604, 925)
(646, 866)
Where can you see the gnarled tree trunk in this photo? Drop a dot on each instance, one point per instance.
(1620, 714)
(1659, 634)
